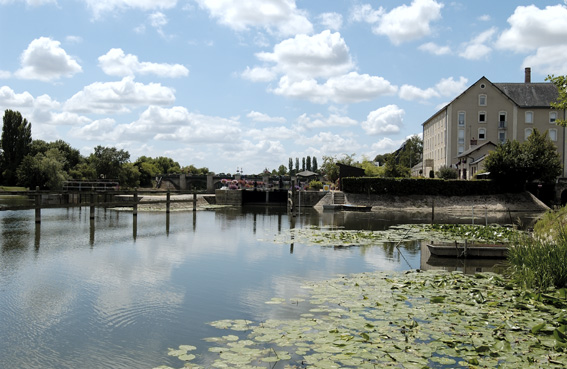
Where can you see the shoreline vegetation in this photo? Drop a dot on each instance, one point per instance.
(414, 319)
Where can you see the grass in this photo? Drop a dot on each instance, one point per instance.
(11, 188)
(539, 261)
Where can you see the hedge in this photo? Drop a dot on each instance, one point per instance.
(425, 186)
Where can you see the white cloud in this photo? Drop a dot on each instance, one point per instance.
(332, 21)
(259, 74)
(102, 7)
(330, 143)
(349, 88)
(4, 74)
(276, 16)
(401, 24)
(548, 60)
(272, 133)
(541, 30)
(45, 60)
(97, 130)
(323, 55)
(116, 63)
(29, 2)
(12, 100)
(264, 118)
(532, 28)
(118, 97)
(484, 18)
(386, 145)
(435, 49)
(445, 87)
(386, 120)
(408, 92)
(477, 48)
(305, 121)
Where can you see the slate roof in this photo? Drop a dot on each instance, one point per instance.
(475, 148)
(530, 95)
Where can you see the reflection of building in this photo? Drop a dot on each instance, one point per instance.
(490, 112)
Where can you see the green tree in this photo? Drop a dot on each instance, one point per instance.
(308, 163)
(410, 152)
(281, 170)
(446, 172)
(15, 143)
(536, 159)
(296, 165)
(129, 175)
(72, 156)
(329, 167)
(394, 170)
(108, 161)
(561, 104)
(45, 170)
(303, 163)
(290, 166)
(314, 165)
(371, 169)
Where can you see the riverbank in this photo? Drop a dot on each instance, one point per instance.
(514, 202)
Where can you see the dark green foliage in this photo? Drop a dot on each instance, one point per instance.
(446, 172)
(315, 168)
(308, 163)
(296, 165)
(536, 159)
(290, 166)
(15, 143)
(315, 185)
(108, 161)
(303, 163)
(422, 186)
(394, 170)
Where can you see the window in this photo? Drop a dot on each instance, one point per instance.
(552, 116)
(461, 137)
(552, 134)
(482, 133)
(527, 133)
(482, 117)
(461, 118)
(529, 117)
(502, 136)
(482, 100)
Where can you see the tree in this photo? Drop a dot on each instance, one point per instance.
(303, 163)
(314, 165)
(281, 170)
(296, 165)
(15, 143)
(290, 166)
(561, 104)
(330, 168)
(394, 170)
(308, 163)
(410, 152)
(370, 169)
(108, 161)
(45, 170)
(536, 159)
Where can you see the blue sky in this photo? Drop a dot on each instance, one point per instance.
(232, 84)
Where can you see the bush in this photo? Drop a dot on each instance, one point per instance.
(315, 185)
(446, 172)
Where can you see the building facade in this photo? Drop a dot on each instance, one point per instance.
(491, 112)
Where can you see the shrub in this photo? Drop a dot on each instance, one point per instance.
(315, 185)
(446, 172)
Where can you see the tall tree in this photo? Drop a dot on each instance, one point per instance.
(303, 163)
(308, 163)
(290, 166)
(561, 104)
(108, 161)
(314, 165)
(15, 143)
(296, 165)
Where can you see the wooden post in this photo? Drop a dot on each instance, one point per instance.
(194, 202)
(37, 205)
(92, 206)
(135, 206)
(167, 202)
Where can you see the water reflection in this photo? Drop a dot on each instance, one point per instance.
(116, 291)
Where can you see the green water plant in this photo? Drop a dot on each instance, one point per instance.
(403, 320)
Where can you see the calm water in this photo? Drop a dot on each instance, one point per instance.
(114, 293)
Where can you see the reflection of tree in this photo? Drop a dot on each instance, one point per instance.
(14, 235)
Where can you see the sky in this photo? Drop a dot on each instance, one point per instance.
(247, 84)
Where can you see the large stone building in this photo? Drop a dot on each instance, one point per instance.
(490, 113)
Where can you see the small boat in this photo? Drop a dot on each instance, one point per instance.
(468, 250)
(346, 207)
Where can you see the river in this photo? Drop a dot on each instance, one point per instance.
(117, 292)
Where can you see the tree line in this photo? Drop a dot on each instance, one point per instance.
(47, 165)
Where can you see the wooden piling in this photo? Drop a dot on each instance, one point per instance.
(135, 206)
(167, 202)
(92, 206)
(37, 206)
(194, 202)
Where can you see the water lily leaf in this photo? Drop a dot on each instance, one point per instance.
(437, 299)
(536, 328)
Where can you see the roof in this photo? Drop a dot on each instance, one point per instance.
(525, 95)
(530, 95)
(306, 173)
(475, 148)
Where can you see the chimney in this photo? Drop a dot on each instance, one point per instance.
(528, 75)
